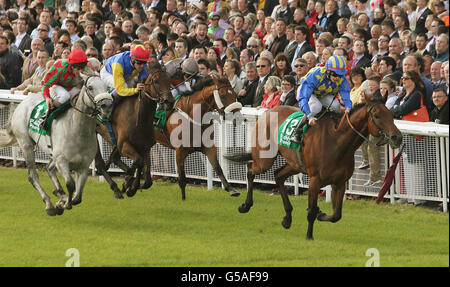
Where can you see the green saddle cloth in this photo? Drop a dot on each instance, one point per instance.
(161, 116)
(287, 129)
(39, 111)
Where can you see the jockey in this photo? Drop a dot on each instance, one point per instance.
(319, 88)
(190, 71)
(60, 82)
(121, 68)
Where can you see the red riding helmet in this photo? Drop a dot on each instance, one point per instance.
(140, 53)
(77, 57)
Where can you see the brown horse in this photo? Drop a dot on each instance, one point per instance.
(132, 123)
(214, 94)
(327, 154)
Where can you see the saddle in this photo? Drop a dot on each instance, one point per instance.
(41, 120)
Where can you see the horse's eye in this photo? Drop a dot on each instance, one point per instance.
(376, 116)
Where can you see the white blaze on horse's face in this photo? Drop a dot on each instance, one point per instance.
(231, 107)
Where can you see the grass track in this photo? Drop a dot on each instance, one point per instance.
(155, 228)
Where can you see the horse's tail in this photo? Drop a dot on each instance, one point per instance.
(7, 137)
(239, 158)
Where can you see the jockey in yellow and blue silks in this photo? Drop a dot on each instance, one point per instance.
(121, 68)
(319, 88)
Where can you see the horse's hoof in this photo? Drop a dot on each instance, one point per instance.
(76, 201)
(59, 211)
(51, 211)
(234, 192)
(286, 223)
(118, 195)
(309, 238)
(244, 208)
(321, 216)
(131, 192)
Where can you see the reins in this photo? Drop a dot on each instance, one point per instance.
(356, 131)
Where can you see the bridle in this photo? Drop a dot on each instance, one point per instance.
(152, 84)
(73, 100)
(381, 132)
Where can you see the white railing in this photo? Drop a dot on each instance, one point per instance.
(422, 174)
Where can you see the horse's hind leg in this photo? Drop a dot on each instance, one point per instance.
(33, 177)
(281, 175)
(337, 197)
(211, 153)
(313, 209)
(181, 154)
(245, 207)
(102, 168)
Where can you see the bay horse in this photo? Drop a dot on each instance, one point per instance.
(214, 93)
(327, 154)
(132, 124)
(72, 141)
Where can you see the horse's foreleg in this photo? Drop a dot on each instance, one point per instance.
(337, 197)
(79, 185)
(63, 168)
(147, 173)
(181, 154)
(59, 191)
(313, 209)
(281, 175)
(211, 153)
(132, 185)
(245, 207)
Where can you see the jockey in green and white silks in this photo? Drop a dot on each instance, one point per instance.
(319, 88)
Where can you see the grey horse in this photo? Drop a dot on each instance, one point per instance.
(72, 144)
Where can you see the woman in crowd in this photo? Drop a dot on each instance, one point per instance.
(357, 77)
(232, 70)
(271, 97)
(282, 66)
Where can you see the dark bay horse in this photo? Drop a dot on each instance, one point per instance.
(132, 123)
(327, 155)
(214, 94)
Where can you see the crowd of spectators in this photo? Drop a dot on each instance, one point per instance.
(248, 41)
(394, 48)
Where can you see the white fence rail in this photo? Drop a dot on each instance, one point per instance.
(422, 174)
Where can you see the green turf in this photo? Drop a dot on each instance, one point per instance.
(156, 228)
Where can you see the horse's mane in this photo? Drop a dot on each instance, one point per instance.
(208, 81)
(154, 65)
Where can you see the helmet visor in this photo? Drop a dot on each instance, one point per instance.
(78, 65)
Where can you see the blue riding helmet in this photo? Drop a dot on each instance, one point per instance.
(337, 64)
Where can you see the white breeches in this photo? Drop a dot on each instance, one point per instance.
(315, 105)
(60, 95)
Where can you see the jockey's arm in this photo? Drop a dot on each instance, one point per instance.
(119, 82)
(344, 91)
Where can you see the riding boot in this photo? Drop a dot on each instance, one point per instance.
(297, 136)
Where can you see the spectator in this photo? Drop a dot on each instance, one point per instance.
(204, 67)
(23, 39)
(44, 18)
(10, 65)
(435, 74)
(422, 12)
(280, 42)
(357, 77)
(311, 59)
(387, 69)
(43, 34)
(247, 94)
(421, 44)
(441, 49)
(33, 84)
(215, 31)
(200, 52)
(271, 97)
(300, 70)
(439, 114)
(263, 66)
(388, 93)
(246, 56)
(232, 70)
(282, 66)
(359, 58)
(288, 97)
